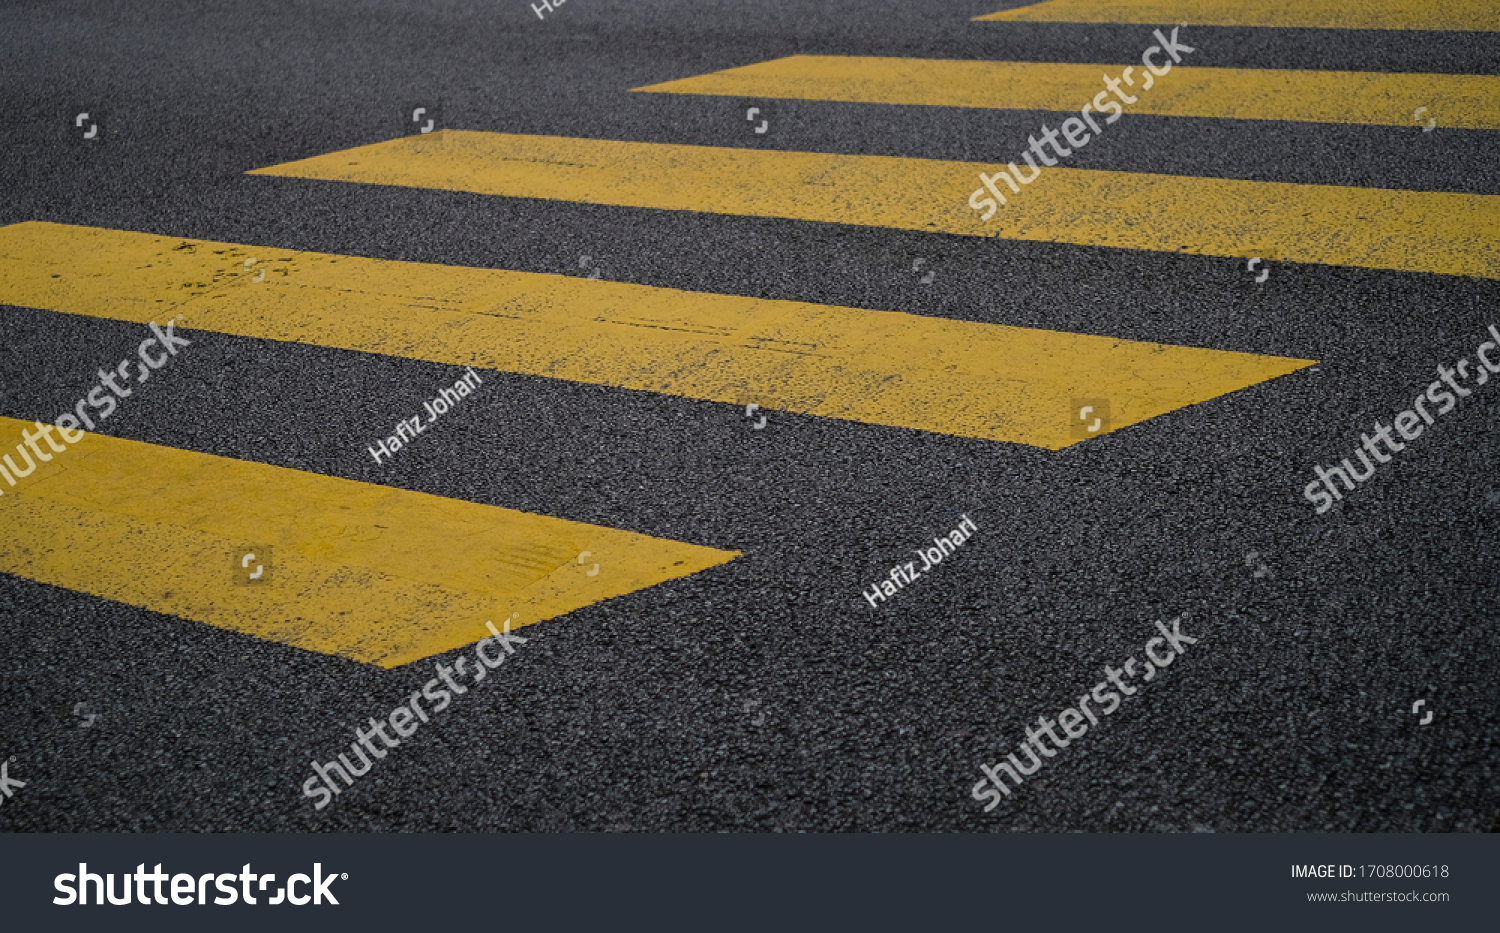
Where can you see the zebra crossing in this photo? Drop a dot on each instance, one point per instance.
(381, 576)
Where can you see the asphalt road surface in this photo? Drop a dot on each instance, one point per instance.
(740, 346)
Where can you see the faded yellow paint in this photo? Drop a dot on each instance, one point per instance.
(1454, 101)
(379, 575)
(1375, 228)
(879, 367)
(1456, 15)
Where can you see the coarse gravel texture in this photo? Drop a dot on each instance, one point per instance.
(766, 694)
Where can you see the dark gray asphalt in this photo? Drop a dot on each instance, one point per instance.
(766, 694)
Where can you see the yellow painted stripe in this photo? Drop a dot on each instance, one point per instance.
(1408, 231)
(379, 575)
(1454, 101)
(879, 367)
(1458, 15)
